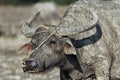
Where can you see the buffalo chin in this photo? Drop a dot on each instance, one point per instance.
(37, 70)
(25, 69)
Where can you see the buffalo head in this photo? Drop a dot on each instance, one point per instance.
(52, 49)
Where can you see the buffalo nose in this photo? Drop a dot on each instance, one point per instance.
(30, 63)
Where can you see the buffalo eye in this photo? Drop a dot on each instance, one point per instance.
(67, 45)
(52, 42)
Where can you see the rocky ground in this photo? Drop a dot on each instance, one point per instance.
(11, 19)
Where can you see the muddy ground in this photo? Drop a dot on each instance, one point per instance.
(11, 19)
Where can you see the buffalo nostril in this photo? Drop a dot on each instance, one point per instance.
(33, 63)
(30, 63)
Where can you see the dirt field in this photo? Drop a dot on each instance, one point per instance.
(11, 19)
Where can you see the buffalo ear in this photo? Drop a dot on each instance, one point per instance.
(26, 48)
(68, 46)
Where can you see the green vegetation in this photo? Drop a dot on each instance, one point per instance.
(21, 2)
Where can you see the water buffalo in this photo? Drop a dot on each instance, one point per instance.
(72, 65)
(69, 69)
(76, 35)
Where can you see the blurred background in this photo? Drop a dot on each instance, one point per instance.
(13, 13)
(26, 2)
